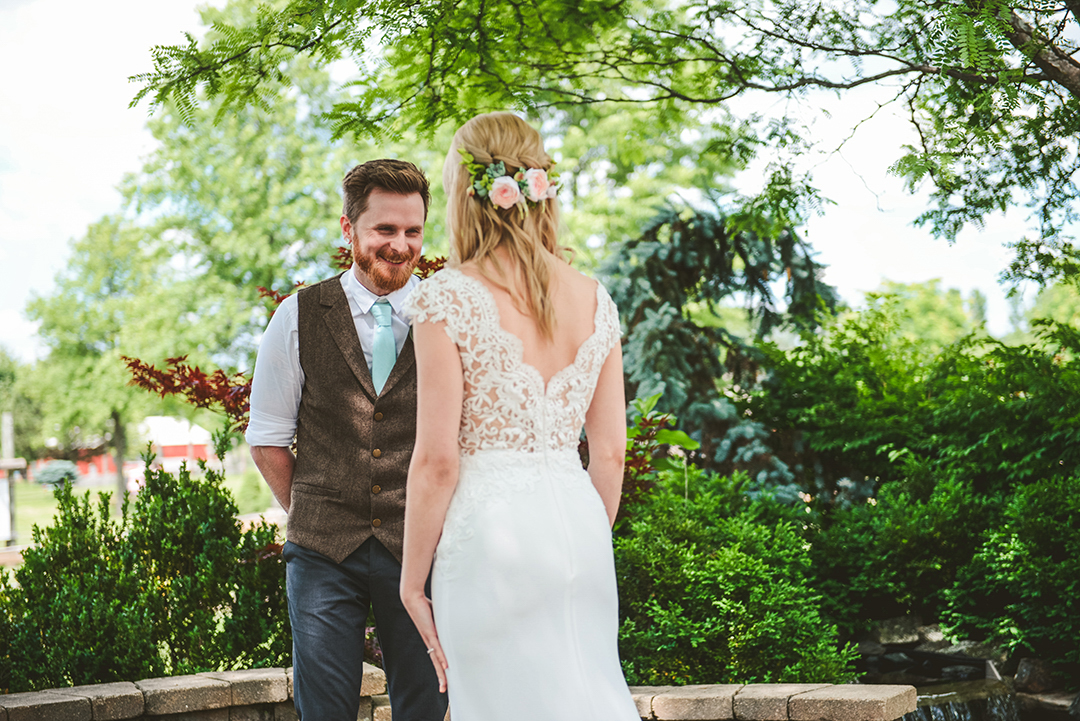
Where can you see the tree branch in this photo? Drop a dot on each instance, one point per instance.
(1054, 62)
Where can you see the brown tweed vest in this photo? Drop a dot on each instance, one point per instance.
(353, 446)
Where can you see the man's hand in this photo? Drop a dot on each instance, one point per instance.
(276, 466)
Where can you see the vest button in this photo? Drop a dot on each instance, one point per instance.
(378, 416)
(376, 523)
(376, 489)
(377, 453)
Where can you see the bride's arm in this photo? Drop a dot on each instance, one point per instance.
(433, 474)
(605, 427)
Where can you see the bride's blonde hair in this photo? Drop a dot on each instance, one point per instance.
(477, 227)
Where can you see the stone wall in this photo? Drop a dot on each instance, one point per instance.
(266, 695)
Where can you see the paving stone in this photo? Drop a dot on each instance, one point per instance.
(213, 714)
(288, 680)
(285, 711)
(769, 701)
(45, 706)
(364, 713)
(374, 683)
(695, 703)
(108, 701)
(380, 708)
(643, 696)
(254, 686)
(853, 702)
(183, 694)
(253, 712)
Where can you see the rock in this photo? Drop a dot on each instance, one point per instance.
(930, 634)
(1074, 708)
(900, 678)
(870, 648)
(898, 631)
(898, 660)
(976, 650)
(931, 638)
(1034, 676)
(962, 673)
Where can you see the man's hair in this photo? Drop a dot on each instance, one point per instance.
(391, 176)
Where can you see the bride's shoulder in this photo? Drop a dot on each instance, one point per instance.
(583, 286)
(438, 296)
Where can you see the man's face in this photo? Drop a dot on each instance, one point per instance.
(386, 240)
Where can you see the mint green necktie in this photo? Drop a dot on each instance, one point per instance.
(384, 349)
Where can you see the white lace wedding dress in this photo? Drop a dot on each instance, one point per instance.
(523, 582)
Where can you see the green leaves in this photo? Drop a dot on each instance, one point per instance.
(991, 87)
(1021, 588)
(712, 593)
(172, 586)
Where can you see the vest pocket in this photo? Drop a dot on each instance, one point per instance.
(316, 490)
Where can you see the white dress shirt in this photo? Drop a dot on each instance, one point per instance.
(279, 379)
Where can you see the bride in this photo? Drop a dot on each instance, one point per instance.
(516, 351)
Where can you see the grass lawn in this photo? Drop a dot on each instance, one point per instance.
(34, 503)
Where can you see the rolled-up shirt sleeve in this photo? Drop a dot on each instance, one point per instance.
(277, 382)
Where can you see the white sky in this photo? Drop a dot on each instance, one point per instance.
(67, 138)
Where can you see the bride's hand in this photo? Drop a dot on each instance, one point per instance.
(419, 607)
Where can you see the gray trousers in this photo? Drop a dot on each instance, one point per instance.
(328, 610)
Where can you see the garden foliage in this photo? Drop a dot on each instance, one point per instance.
(1022, 588)
(897, 555)
(861, 402)
(938, 479)
(686, 260)
(172, 586)
(715, 588)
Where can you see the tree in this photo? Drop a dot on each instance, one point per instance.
(992, 87)
(215, 212)
(111, 297)
(670, 284)
(929, 316)
(1057, 302)
(17, 398)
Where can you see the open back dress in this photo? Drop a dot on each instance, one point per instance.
(523, 582)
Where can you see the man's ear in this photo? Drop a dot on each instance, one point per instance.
(346, 228)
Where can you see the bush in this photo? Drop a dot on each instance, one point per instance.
(173, 587)
(713, 589)
(1022, 588)
(56, 473)
(896, 555)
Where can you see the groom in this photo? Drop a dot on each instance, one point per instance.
(336, 370)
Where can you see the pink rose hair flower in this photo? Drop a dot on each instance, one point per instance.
(536, 180)
(505, 192)
(524, 188)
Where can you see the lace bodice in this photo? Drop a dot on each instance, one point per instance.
(506, 404)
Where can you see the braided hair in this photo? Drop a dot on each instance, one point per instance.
(477, 228)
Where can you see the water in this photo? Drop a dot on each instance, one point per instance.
(966, 701)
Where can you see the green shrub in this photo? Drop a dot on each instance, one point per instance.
(1022, 588)
(713, 589)
(897, 554)
(57, 472)
(174, 586)
(76, 615)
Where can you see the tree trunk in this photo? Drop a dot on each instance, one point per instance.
(119, 444)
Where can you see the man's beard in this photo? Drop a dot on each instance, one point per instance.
(385, 277)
